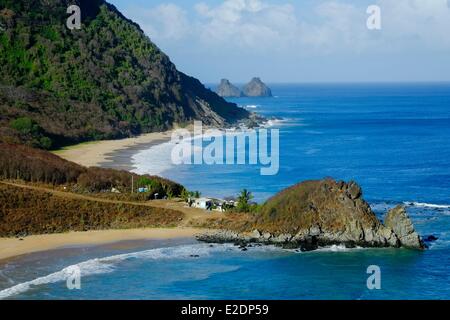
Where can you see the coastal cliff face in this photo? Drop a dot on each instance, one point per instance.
(257, 88)
(320, 213)
(106, 80)
(228, 90)
(397, 220)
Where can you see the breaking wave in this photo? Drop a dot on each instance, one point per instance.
(109, 264)
(427, 205)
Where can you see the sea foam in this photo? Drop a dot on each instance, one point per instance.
(109, 264)
(427, 205)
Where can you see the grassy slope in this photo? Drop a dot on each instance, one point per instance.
(33, 211)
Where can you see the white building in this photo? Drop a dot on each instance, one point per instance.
(203, 203)
(211, 204)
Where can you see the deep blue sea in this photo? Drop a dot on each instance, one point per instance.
(393, 139)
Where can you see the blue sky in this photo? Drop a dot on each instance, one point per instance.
(299, 41)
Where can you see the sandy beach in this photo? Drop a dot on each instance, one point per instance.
(115, 154)
(112, 153)
(12, 247)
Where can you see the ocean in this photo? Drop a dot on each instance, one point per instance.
(393, 139)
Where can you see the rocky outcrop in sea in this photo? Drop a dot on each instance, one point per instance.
(398, 221)
(315, 214)
(228, 90)
(257, 88)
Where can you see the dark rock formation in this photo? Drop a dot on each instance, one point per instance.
(320, 213)
(228, 90)
(398, 221)
(257, 88)
(430, 238)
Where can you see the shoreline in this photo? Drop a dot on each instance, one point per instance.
(14, 247)
(113, 154)
(118, 154)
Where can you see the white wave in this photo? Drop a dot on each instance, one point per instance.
(427, 205)
(252, 106)
(154, 160)
(279, 122)
(337, 248)
(332, 248)
(89, 267)
(158, 159)
(108, 264)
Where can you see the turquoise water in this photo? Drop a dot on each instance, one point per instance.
(392, 139)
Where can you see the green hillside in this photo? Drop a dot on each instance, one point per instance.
(106, 80)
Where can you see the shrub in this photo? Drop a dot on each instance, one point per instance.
(24, 125)
(45, 143)
(144, 182)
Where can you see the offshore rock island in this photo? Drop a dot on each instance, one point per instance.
(255, 88)
(316, 214)
(228, 90)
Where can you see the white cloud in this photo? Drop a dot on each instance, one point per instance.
(265, 27)
(249, 24)
(163, 22)
(342, 26)
(417, 22)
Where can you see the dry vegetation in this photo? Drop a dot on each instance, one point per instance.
(33, 165)
(37, 210)
(239, 222)
(326, 202)
(27, 212)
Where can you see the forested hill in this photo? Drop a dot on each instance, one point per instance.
(106, 80)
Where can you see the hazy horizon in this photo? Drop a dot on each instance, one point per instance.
(239, 83)
(322, 41)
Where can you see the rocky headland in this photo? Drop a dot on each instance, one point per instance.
(315, 214)
(107, 80)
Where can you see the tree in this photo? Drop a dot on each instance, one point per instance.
(24, 125)
(144, 182)
(244, 199)
(45, 143)
(185, 195)
(196, 194)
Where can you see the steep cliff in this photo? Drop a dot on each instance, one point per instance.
(106, 80)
